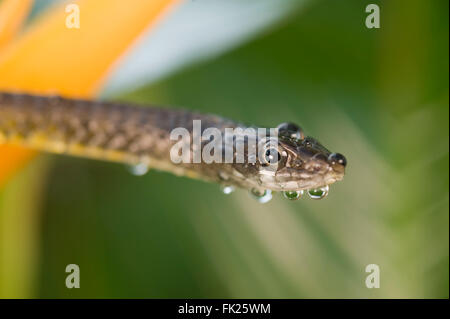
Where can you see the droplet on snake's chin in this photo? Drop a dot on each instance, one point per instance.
(318, 193)
(138, 169)
(261, 196)
(293, 195)
(227, 189)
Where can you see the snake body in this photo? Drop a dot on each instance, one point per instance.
(135, 134)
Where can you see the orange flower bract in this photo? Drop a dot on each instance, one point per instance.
(49, 58)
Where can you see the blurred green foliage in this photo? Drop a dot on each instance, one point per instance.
(379, 96)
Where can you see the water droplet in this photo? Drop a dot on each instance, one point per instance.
(318, 193)
(227, 189)
(293, 195)
(261, 196)
(139, 169)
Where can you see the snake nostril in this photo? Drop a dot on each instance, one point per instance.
(337, 158)
(320, 156)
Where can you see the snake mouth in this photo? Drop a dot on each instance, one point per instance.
(295, 179)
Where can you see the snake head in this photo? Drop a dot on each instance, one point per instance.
(286, 161)
(297, 162)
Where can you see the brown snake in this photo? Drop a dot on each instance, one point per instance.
(133, 134)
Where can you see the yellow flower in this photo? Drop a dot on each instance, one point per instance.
(50, 58)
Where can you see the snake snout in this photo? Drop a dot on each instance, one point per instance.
(337, 158)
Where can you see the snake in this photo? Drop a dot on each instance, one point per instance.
(136, 134)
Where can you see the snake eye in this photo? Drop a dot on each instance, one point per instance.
(272, 156)
(291, 130)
